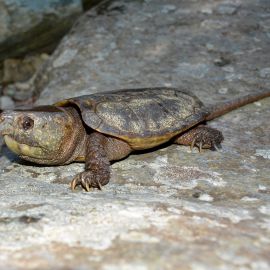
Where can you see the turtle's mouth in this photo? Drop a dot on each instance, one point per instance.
(22, 149)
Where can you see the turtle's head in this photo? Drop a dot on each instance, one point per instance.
(39, 134)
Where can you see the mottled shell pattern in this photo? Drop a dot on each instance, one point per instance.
(142, 117)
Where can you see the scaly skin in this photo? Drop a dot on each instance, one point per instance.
(202, 137)
(59, 137)
(44, 135)
(56, 136)
(99, 151)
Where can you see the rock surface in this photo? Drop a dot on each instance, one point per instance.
(26, 26)
(168, 209)
(20, 70)
(18, 75)
(6, 103)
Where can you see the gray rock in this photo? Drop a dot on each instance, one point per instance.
(6, 103)
(265, 73)
(227, 8)
(101, 52)
(26, 26)
(168, 209)
(19, 70)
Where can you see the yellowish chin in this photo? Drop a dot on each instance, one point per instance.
(22, 149)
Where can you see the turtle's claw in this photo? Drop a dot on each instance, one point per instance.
(99, 185)
(216, 147)
(87, 180)
(78, 181)
(73, 183)
(86, 186)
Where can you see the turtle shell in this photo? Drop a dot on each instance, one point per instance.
(142, 117)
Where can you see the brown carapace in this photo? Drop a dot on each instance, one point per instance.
(107, 126)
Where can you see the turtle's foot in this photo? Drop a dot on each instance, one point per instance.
(88, 180)
(207, 138)
(202, 137)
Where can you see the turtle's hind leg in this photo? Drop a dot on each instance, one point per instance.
(202, 137)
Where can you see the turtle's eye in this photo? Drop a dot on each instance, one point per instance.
(27, 123)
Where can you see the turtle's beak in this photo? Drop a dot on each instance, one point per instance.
(6, 120)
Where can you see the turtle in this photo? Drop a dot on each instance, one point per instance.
(107, 126)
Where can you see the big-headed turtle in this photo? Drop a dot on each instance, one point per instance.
(108, 126)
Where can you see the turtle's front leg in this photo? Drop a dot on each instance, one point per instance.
(100, 150)
(97, 164)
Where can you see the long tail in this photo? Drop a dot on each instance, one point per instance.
(227, 106)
